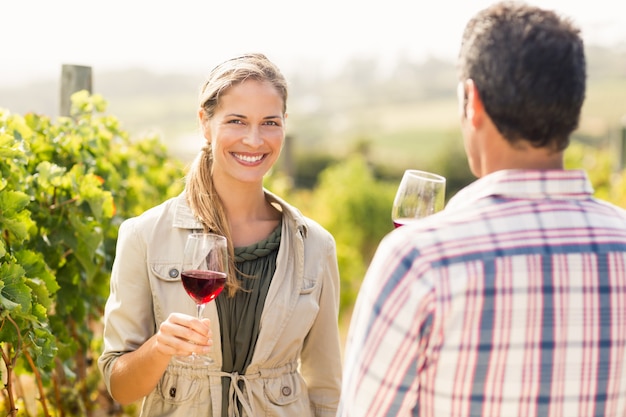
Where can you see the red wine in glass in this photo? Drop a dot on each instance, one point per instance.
(203, 286)
(403, 221)
(203, 275)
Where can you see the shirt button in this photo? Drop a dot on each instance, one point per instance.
(173, 273)
(173, 392)
(286, 391)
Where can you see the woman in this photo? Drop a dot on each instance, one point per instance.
(273, 332)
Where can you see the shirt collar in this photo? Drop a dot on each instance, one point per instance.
(526, 184)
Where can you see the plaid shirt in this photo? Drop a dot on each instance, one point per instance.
(510, 302)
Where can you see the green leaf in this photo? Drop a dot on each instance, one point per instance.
(13, 201)
(18, 225)
(41, 343)
(14, 291)
(11, 149)
(49, 174)
(100, 202)
(88, 240)
(46, 344)
(40, 279)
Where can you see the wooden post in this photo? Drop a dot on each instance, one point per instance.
(73, 78)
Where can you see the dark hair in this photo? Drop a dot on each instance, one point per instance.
(200, 190)
(528, 65)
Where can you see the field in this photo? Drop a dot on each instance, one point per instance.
(413, 134)
(605, 107)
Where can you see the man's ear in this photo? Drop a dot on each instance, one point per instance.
(472, 103)
(461, 98)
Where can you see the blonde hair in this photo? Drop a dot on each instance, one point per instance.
(202, 197)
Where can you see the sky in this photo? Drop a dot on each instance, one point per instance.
(192, 36)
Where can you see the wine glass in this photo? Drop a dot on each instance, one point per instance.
(419, 194)
(205, 266)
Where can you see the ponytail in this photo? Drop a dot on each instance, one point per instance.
(207, 206)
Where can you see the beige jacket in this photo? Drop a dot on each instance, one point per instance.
(296, 367)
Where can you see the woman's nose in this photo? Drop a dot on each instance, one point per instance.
(253, 137)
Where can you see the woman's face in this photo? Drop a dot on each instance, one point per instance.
(246, 132)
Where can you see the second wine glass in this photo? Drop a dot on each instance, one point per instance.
(204, 271)
(419, 194)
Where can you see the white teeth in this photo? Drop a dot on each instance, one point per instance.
(246, 158)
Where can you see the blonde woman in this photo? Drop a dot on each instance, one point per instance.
(273, 332)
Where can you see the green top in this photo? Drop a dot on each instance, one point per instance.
(240, 315)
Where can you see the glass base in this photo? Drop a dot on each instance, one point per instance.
(194, 359)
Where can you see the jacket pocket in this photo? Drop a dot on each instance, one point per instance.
(168, 294)
(308, 285)
(179, 395)
(166, 271)
(175, 388)
(283, 390)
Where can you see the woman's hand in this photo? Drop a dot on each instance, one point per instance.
(136, 373)
(182, 334)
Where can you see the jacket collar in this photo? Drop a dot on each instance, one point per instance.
(290, 213)
(185, 219)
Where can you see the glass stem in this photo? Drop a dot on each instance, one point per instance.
(200, 310)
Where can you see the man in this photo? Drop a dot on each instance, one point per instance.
(512, 300)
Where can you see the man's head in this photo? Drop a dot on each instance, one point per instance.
(528, 67)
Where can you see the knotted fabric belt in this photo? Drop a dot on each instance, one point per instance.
(235, 393)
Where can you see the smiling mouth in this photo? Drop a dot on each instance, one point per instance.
(248, 158)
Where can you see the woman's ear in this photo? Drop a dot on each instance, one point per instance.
(204, 121)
